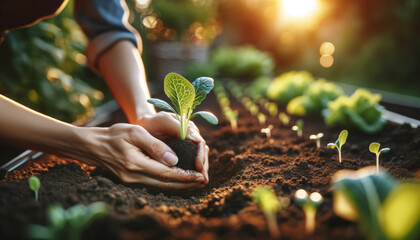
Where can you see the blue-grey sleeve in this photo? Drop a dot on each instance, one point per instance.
(105, 23)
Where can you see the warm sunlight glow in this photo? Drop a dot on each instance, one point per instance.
(299, 8)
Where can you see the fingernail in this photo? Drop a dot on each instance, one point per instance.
(195, 136)
(170, 159)
(200, 179)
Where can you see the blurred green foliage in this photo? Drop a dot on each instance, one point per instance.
(44, 67)
(245, 62)
(289, 85)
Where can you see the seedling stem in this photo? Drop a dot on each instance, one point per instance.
(342, 138)
(374, 148)
(309, 204)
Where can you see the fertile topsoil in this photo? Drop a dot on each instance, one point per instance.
(239, 161)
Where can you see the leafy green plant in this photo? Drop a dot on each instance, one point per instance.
(317, 139)
(298, 127)
(258, 88)
(284, 119)
(34, 185)
(269, 203)
(384, 208)
(267, 130)
(309, 203)
(289, 85)
(374, 148)
(314, 99)
(185, 97)
(361, 110)
(261, 118)
(342, 138)
(68, 224)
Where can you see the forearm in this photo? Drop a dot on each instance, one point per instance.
(123, 70)
(24, 128)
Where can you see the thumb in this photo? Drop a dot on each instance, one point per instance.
(157, 149)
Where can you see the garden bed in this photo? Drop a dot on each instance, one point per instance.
(239, 161)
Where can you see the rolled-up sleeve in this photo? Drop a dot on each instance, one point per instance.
(105, 23)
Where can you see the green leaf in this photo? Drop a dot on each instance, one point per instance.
(384, 150)
(34, 183)
(210, 117)
(374, 147)
(161, 104)
(202, 86)
(366, 191)
(337, 143)
(331, 145)
(180, 91)
(400, 213)
(343, 137)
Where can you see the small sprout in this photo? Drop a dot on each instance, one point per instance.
(253, 109)
(298, 128)
(245, 101)
(267, 130)
(232, 116)
(374, 148)
(224, 102)
(261, 118)
(272, 109)
(284, 118)
(317, 139)
(34, 185)
(339, 142)
(269, 204)
(309, 203)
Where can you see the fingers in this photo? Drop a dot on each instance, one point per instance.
(157, 149)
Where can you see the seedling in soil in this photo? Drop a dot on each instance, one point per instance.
(272, 108)
(298, 128)
(284, 119)
(317, 139)
(185, 97)
(270, 205)
(34, 185)
(374, 148)
(253, 109)
(261, 118)
(232, 116)
(339, 142)
(68, 224)
(309, 203)
(267, 130)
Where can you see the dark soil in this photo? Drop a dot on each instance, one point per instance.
(186, 151)
(239, 161)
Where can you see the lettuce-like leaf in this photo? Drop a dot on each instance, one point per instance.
(180, 91)
(289, 85)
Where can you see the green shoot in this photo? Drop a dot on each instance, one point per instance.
(298, 128)
(272, 109)
(269, 204)
(374, 148)
(317, 139)
(339, 142)
(34, 185)
(267, 130)
(261, 118)
(284, 119)
(309, 203)
(185, 97)
(232, 116)
(253, 109)
(68, 223)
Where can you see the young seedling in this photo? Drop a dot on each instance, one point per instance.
(298, 128)
(232, 116)
(339, 142)
(267, 130)
(34, 185)
(253, 109)
(272, 109)
(261, 118)
(284, 119)
(270, 205)
(309, 203)
(185, 97)
(317, 139)
(374, 148)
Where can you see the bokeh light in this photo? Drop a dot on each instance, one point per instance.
(327, 48)
(299, 8)
(326, 60)
(150, 22)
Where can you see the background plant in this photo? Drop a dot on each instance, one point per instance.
(34, 185)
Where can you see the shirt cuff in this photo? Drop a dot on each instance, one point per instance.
(100, 44)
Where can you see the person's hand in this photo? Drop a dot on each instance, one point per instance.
(123, 149)
(165, 126)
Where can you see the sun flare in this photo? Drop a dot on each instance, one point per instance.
(299, 8)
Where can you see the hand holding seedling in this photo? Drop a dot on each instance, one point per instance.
(309, 203)
(317, 139)
(374, 148)
(298, 128)
(34, 185)
(339, 143)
